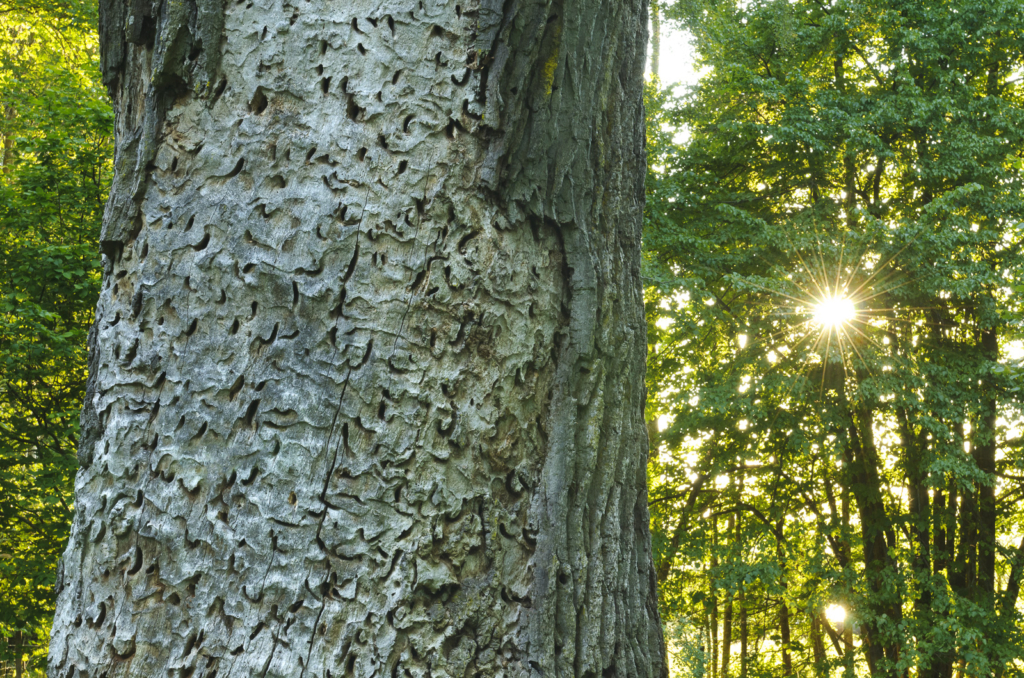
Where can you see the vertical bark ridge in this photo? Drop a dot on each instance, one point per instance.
(366, 392)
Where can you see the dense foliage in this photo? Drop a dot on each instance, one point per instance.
(55, 130)
(868, 150)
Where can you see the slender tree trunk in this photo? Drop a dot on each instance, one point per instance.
(664, 567)
(726, 635)
(784, 630)
(727, 614)
(714, 633)
(1008, 600)
(8, 141)
(744, 628)
(744, 632)
(962, 574)
(714, 597)
(655, 38)
(818, 646)
(787, 657)
(939, 508)
(940, 664)
(951, 519)
(846, 651)
(920, 525)
(707, 657)
(366, 390)
(877, 536)
(19, 654)
(920, 511)
(984, 452)
(653, 435)
(848, 657)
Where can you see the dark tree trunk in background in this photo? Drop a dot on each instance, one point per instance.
(784, 628)
(742, 598)
(984, 452)
(726, 635)
(714, 597)
(818, 646)
(744, 632)
(727, 614)
(366, 388)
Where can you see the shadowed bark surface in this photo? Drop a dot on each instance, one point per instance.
(366, 393)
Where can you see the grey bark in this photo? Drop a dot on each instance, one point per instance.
(366, 377)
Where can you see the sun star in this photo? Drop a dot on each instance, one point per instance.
(834, 312)
(835, 614)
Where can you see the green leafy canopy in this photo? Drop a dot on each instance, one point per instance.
(56, 132)
(869, 149)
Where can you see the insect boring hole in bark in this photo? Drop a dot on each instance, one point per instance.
(232, 392)
(201, 245)
(259, 102)
(453, 128)
(353, 111)
(250, 413)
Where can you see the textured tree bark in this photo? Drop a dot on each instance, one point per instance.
(367, 374)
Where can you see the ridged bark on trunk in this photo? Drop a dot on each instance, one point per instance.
(366, 390)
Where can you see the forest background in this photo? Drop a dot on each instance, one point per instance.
(828, 498)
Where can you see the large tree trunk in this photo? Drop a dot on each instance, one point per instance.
(367, 374)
